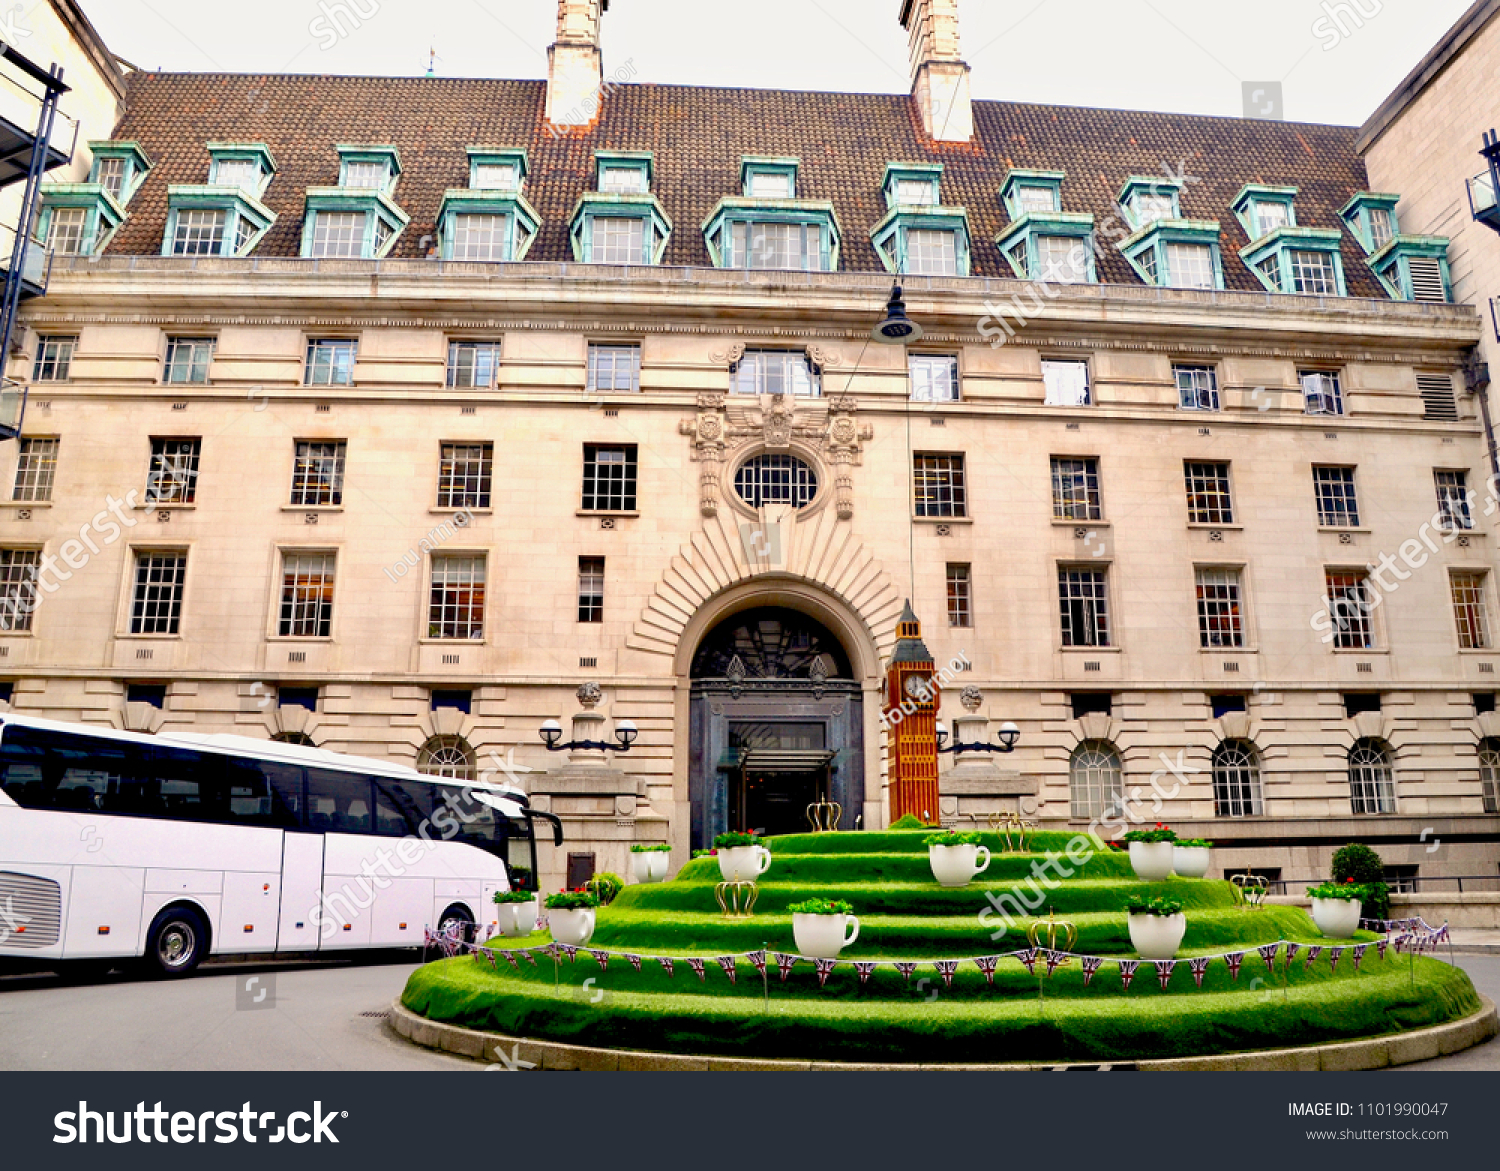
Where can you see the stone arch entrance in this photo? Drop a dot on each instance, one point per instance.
(776, 721)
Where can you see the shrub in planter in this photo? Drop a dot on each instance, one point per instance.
(742, 857)
(955, 857)
(908, 821)
(1336, 907)
(823, 928)
(570, 916)
(1363, 865)
(648, 863)
(1156, 927)
(605, 886)
(515, 913)
(1151, 852)
(521, 879)
(1191, 857)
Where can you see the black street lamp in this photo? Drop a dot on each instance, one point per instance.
(625, 732)
(1008, 735)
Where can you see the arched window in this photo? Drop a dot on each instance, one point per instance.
(775, 479)
(1095, 780)
(1489, 774)
(301, 738)
(1371, 786)
(447, 756)
(1237, 791)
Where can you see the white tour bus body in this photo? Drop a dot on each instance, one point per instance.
(174, 847)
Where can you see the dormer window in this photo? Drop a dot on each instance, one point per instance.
(1167, 250)
(913, 184)
(496, 168)
(1371, 219)
(246, 166)
(1030, 197)
(111, 174)
(1149, 199)
(1043, 242)
(621, 223)
(777, 231)
(369, 168)
(769, 178)
(490, 219)
(1286, 257)
(1262, 210)
(119, 168)
(770, 186)
(918, 235)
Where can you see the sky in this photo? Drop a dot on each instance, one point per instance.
(1335, 60)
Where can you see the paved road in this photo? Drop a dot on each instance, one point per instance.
(122, 1023)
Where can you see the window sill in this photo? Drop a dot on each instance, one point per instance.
(628, 515)
(25, 504)
(454, 642)
(1079, 524)
(1356, 653)
(943, 520)
(160, 506)
(1484, 652)
(1228, 650)
(455, 511)
(127, 637)
(1359, 532)
(312, 508)
(298, 639)
(1224, 528)
(1090, 650)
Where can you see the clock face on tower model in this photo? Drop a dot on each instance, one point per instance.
(917, 688)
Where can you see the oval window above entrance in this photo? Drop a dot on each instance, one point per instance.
(775, 479)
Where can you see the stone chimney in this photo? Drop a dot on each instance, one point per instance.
(575, 67)
(940, 79)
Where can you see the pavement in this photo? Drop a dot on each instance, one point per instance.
(1475, 941)
(325, 1016)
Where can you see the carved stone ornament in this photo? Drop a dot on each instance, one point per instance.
(971, 697)
(589, 696)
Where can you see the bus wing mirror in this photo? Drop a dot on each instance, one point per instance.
(556, 822)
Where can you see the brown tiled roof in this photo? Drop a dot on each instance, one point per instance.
(699, 136)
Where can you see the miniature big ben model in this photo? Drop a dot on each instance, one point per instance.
(912, 704)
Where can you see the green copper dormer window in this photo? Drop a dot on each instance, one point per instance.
(78, 219)
(1024, 192)
(1149, 198)
(619, 228)
(369, 168)
(1177, 254)
(350, 223)
(1262, 210)
(765, 178)
(624, 172)
(493, 168)
(1298, 260)
(913, 185)
(247, 166)
(486, 225)
(1371, 218)
(119, 167)
(799, 234)
(1414, 268)
(1057, 247)
(213, 220)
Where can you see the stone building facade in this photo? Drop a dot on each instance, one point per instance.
(392, 411)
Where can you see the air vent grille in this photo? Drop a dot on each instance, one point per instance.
(33, 908)
(1427, 280)
(1438, 401)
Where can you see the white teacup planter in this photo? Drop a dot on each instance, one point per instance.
(1336, 918)
(1191, 861)
(743, 863)
(957, 865)
(1151, 860)
(516, 920)
(649, 865)
(822, 937)
(1157, 937)
(573, 927)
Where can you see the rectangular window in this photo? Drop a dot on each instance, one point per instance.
(1146, 258)
(609, 475)
(934, 378)
(778, 246)
(1269, 217)
(18, 597)
(1219, 619)
(365, 175)
(65, 230)
(480, 237)
(54, 359)
(1321, 392)
(1084, 598)
(1453, 501)
(931, 253)
(456, 607)
(617, 240)
(112, 175)
(1075, 489)
(188, 359)
(464, 475)
(915, 192)
(339, 234)
(939, 485)
(318, 473)
(36, 465)
(591, 589)
(1313, 273)
(770, 186)
(622, 180)
(330, 362)
(1270, 268)
(306, 595)
(776, 372)
(1063, 259)
(1348, 599)
(1381, 228)
(173, 476)
(473, 365)
(200, 232)
(1067, 383)
(1334, 490)
(1197, 388)
(1151, 206)
(1470, 611)
(1191, 266)
(1208, 493)
(244, 230)
(156, 606)
(1034, 197)
(960, 596)
(494, 177)
(241, 173)
(614, 368)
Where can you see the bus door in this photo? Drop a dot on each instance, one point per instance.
(301, 861)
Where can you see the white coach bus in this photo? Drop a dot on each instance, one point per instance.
(115, 845)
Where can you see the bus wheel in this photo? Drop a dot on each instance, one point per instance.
(177, 941)
(460, 915)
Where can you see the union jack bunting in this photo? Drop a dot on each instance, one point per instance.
(1090, 966)
(697, 966)
(494, 963)
(429, 938)
(1291, 951)
(1359, 954)
(1268, 953)
(601, 958)
(987, 965)
(511, 957)
(784, 964)
(1164, 970)
(1313, 952)
(1333, 958)
(1234, 959)
(1199, 965)
(864, 968)
(906, 970)
(1028, 957)
(1127, 970)
(1381, 945)
(666, 963)
(530, 954)
(570, 951)
(727, 963)
(758, 958)
(1054, 959)
(824, 967)
(946, 968)
(634, 962)
(1442, 934)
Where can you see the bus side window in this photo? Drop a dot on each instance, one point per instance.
(338, 802)
(23, 784)
(289, 802)
(192, 787)
(114, 777)
(250, 799)
(393, 813)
